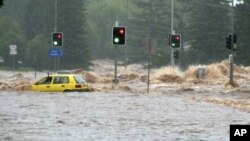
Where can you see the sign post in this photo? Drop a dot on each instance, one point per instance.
(150, 49)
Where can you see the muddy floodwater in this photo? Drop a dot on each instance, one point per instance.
(28, 116)
(179, 107)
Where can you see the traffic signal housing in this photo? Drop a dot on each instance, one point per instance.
(119, 35)
(1, 3)
(229, 41)
(175, 40)
(176, 54)
(57, 39)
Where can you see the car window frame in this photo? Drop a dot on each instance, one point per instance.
(43, 80)
(60, 81)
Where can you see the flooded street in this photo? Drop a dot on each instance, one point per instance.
(27, 116)
(179, 107)
(124, 70)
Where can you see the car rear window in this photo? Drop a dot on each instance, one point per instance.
(79, 79)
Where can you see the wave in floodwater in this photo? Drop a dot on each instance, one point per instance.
(102, 73)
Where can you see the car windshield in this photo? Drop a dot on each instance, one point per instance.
(79, 79)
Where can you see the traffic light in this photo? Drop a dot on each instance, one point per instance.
(176, 54)
(57, 39)
(119, 35)
(229, 41)
(175, 41)
(1, 3)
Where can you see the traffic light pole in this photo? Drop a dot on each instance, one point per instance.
(55, 26)
(57, 59)
(231, 56)
(115, 76)
(115, 80)
(172, 31)
(126, 46)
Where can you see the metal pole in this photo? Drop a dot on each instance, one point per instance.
(172, 16)
(126, 46)
(13, 63)
(149, 64)
(172, 32)
(116, 47)
(35, 64)
(55, 64)
(55, 29)
(233, 45)
(58, 63)
(115, 77)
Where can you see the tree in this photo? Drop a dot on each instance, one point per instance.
(40, 16)
(151, 20)
(72, 22)
(11, 35)
(208, 26)
(100, 25)
(15, 9)
(242, 17)
(37, 50)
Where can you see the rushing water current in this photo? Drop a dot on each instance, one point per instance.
(30, 116)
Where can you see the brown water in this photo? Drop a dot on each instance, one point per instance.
(179, 107)
(102, 73)
(115, 116)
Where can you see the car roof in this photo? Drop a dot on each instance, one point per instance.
(62, 75)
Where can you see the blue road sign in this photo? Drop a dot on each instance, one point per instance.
(55, 52)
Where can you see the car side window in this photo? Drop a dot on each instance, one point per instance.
(45, 80)
(61, 80)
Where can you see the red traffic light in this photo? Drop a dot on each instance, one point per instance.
(59, 35)
(177, 37)
(121, 31)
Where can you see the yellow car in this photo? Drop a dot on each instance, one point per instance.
(61, 83)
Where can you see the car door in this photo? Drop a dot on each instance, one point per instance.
(60, 83)
(43, 85)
